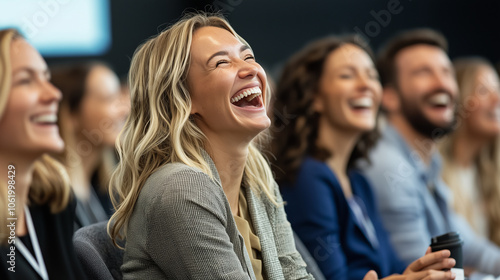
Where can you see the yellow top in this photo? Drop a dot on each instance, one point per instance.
(252, 242)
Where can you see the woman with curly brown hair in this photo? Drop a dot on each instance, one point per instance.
(325, 115)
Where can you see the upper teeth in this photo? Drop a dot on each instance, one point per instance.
(48, 118)
(256, 91)
(365, 102)
(440, 99)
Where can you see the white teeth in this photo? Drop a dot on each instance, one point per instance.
(48, 118)
(364, 102)
(252, 91)
(441, 99)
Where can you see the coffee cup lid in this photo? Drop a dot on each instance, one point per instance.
(447, 237)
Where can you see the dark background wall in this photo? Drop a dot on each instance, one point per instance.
(276, 29)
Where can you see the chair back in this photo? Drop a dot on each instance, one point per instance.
(312, 266)
(100, 259)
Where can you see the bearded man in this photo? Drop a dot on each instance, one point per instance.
(419, 105)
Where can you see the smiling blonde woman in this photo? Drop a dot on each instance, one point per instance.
(472, 152)
(197, 200)
(38, 243)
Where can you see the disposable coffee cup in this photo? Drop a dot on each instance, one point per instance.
(451, 241)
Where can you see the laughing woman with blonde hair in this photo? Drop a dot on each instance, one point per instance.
(197, 200)
(38, 242)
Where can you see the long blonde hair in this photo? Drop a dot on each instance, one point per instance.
(487, 161)
(159, 129)
(50, 183)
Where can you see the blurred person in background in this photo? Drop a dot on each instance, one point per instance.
(419, 100)
(93, 110)
(331, 89)
(36, 242)
(472, 153)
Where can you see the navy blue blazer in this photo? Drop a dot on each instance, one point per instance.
(320, 215)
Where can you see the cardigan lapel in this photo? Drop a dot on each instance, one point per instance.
(240, 248)
(262, 226)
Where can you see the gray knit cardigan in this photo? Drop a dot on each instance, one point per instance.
(182, 228)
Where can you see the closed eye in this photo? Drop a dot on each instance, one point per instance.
(25, 81)
(220, 62)
(345, 76)
(422, 71)
(249, 57)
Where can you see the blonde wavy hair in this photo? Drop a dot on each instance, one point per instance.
(50, 183)
(159, 129)
(487, 161)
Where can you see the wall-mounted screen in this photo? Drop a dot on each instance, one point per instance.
(60, 27)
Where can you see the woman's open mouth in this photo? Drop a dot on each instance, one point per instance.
(249, 97)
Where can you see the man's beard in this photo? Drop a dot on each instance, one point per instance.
(417, 119)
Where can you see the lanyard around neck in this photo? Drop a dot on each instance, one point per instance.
(38, 264)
